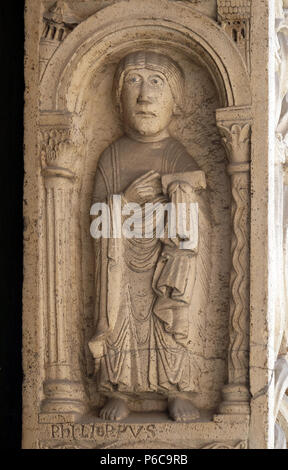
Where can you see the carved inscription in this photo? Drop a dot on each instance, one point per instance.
(101, 431)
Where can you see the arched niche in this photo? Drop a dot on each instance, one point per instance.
(196, 130)
(119, 28)
(80, 65)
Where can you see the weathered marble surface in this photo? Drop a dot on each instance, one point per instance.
(226, 53)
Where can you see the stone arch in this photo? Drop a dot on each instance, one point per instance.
(94, 40)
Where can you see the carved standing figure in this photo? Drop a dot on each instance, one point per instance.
(152, 291)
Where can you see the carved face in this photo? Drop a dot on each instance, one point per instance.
(147, 101)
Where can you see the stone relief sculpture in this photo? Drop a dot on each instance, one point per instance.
(149, 290)
(169, 328)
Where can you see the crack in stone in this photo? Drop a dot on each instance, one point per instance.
(264, 390)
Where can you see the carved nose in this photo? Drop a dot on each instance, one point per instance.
(144, 95)
(143, 100)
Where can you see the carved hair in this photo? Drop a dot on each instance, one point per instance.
(153, 61)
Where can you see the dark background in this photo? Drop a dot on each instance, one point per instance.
(11, 196)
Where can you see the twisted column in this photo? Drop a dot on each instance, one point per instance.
(59, 159)
(235, 128)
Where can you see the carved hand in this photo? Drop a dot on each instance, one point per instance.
(144, 189)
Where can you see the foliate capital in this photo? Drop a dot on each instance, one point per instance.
(59, 154)
(234, 125)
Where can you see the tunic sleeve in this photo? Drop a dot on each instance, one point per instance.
(102, 182)
(107, 252)
(178, 159)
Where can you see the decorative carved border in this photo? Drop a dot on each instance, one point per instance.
(222, 445)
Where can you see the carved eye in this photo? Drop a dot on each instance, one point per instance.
(156, 80)
(133, 79)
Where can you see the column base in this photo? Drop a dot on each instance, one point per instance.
(236, 400)
(59, 418)
(63, 396)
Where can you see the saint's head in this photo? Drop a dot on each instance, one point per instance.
(149, 89)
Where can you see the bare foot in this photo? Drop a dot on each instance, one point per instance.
(182, 410)
(114, 410)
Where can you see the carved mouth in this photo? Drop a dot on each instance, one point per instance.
(145, 113)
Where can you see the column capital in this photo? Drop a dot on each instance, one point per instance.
(234, 124)
(59, 154)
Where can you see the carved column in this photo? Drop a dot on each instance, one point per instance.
(235, 127)
(59, 160)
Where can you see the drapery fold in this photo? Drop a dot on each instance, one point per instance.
(150, 293)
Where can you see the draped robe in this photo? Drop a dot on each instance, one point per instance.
(150, 297)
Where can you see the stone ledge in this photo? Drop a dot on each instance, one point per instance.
(140, 431)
